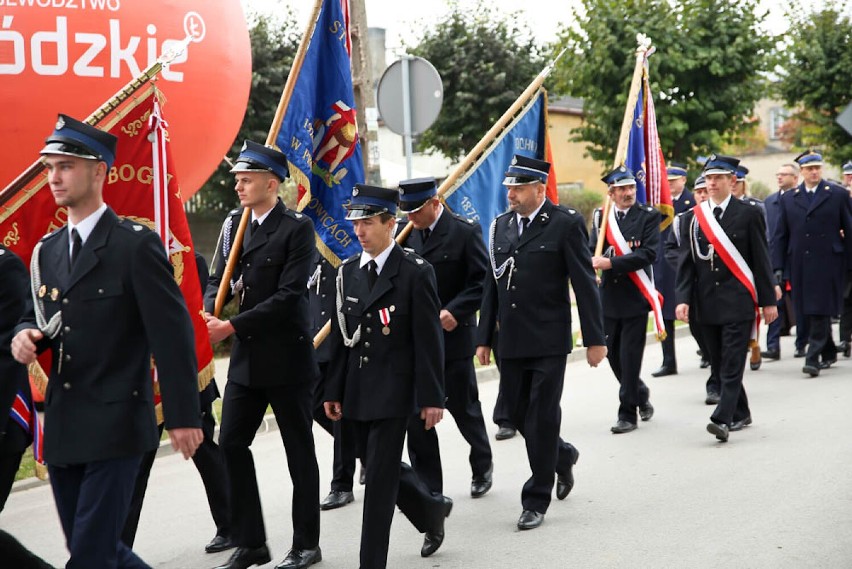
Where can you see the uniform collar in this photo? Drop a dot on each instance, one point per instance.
(380, 259)
(87, 225)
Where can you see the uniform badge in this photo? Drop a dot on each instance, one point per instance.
(572, 212)
(544, 217)
(351, 299)
(60, 123)
(298, 216)
(686, 202)
(392, 308)
(2, 251)
(54, 294)
(42, 290)
(419, 261)
(384, 316)
(137, 228)
(355, 192)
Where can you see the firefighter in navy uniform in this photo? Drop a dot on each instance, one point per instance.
(813, 243)
(453, 246)
(725, 304)
(386, 361)
(104, 301)
(664, 275)
(845, 344)
(534, 250)
(321, 294)
(625, 307)
(272, 357)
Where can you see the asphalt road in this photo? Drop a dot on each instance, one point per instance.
(777, 495)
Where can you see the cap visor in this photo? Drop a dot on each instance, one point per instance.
(362, 213)
(65, 149)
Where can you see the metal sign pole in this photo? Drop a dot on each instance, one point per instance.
(406, 116)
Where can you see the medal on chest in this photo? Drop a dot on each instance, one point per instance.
(385, 317)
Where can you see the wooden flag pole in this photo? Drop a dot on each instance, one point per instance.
(471, 157)
(626, 125)
(96, 117)
(289, 86)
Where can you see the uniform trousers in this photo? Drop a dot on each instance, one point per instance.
(727, 346)
(533, 389)
(242, 413)
(773, 332)
(669, 357)
(820, 342)
(625, 344)
(345, 443)
(390, 482)
(463, 403)
(16, 555)
(846, 315)
(211, 467)
(92, 500)
(12, 446)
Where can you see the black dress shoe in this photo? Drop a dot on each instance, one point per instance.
(362, 476)
(705, 363)
(800, 353)
(824, 364)
(712, 398)
(646, 411)
(564, 482)
(337, 499)
(481, 484)
(771, 354)
(720, 431)
(299, 558)
(433, 539)
(845, 347)
(739, 425)
(505, 432)
(664, 371)
(245, 557)
(530, 519)
(811, 369)
(219, 543)
(622, 427)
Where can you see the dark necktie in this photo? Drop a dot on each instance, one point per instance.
(254, 227)
(619, 215)
(810, 195)
(717, 213)
(76, 245)
(426, 233)
(525, 222)
(372, 273)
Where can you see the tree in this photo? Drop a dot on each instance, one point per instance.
(486, 60)
(274, 42)
(705, 75)
(814, 65)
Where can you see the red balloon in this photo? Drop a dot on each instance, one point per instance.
(71, 56)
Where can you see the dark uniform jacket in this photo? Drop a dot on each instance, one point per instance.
(641, 229)
(272, 341)
(808, 246)
(387, 375)
(534, 309)
(321, 297)
(664, 274)
(457, 254)
(14, 289)
(720, 296)
(119, 304)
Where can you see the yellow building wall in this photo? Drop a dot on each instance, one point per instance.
(570, 164)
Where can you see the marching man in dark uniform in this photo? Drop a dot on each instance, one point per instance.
(664, 274)
(845, 344)
(104, 299)
(386, 361)
(534, 250)
(724, 269)
(321, 295)
(272, 357)
(815, 226)
(628, 292)
(453, 246)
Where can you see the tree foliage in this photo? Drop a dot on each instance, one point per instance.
(486, 59)
(814, 64)
(274, 42)
(705, 76)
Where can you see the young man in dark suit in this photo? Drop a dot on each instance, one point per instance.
(635, 240)
(105, 300)
(813, 243)
(386, 361)
(724, 269)
(535, 249)
(272, 357)
(453, 246)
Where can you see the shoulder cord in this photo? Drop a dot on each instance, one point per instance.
(236, 287)
(508, 264)
(696, 246)
(314, 279)
(51, 327)
(341, 319)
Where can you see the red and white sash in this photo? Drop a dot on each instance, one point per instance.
(640, 278)
(27, 417)
(729, 254)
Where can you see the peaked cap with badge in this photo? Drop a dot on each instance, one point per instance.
(71, 137)
(370, 201)
(675, 170)
(524, 170)
(621, 176)
(719, 164)
(414, 193)
(256, 157)
(809, 157)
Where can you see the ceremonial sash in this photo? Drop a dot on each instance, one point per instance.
(729, 254)
(27, 417)
(640, 278)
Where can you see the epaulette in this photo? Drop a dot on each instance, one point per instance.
(350, 259)
(293, 214)
(51, 234)
(132, 226)
(236, 211)
(413, 257)
(409, 249)
(648, 208)
(565, 209)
